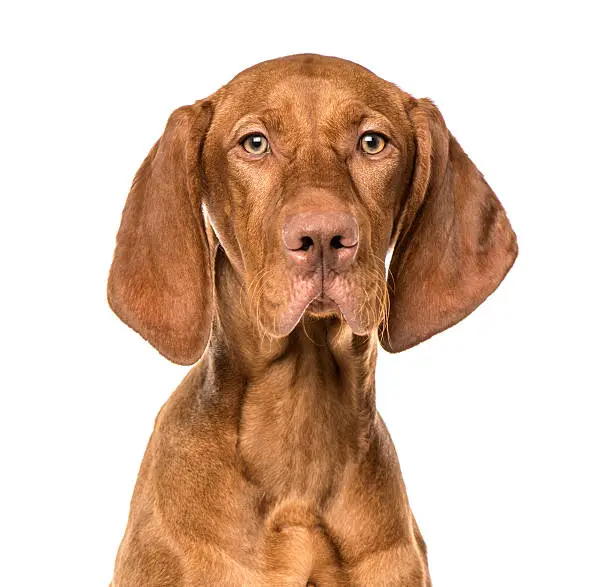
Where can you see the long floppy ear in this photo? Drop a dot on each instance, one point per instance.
(454, 242)
(160, 279)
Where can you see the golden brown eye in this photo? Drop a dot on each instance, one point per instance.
(255, 144)
(372, 143)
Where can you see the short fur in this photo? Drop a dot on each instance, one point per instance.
(270, 465)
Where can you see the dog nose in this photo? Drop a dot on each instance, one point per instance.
(327, 237)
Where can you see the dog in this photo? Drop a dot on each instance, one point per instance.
(253, 242)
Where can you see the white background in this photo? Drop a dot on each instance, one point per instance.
(502, 424)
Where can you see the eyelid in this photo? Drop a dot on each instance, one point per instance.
(375, 132)
(245, 126)
(244, 137)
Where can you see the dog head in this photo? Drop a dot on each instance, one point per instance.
(308, 171)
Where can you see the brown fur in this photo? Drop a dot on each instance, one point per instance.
(270, 465)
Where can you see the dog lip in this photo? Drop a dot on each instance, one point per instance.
(321, 297)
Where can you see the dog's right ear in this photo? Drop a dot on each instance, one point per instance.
(455, 243)
(160, 280)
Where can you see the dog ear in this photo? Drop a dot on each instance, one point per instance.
(160, 279)
(454, 244)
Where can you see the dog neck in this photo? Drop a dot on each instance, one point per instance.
(305, 403)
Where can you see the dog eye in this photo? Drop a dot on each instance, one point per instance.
(255, 144)
(372, 143)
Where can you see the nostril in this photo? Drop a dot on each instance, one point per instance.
(336, 242)
(307, 242)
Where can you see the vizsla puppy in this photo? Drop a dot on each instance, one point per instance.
(253, 241)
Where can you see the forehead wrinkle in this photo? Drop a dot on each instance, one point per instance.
(311, 98)
(268, 120)
(272, 119)
(277, 106)
(350, 114)
(333, 106)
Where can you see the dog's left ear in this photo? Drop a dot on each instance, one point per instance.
(160, 279)
(454, 243)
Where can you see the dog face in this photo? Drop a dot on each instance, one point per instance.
(310, 169)
(305, 159)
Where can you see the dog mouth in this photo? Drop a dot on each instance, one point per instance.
(332, 296)
(336, 299)
(320, 301)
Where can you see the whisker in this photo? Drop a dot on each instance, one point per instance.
(255, 295)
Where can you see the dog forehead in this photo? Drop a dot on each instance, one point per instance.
(308, 66)
(306, 86)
